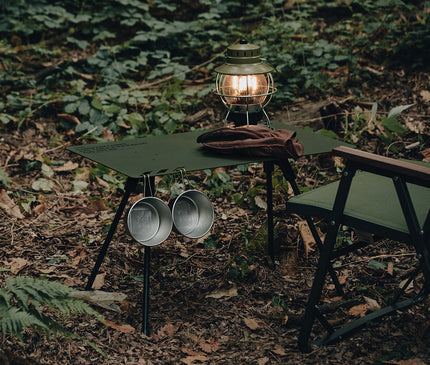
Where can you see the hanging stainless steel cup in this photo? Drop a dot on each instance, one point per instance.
(192, 213)
(149, 220)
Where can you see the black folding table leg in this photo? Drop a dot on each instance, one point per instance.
(129, 187)
(268, 169)
(146, 273)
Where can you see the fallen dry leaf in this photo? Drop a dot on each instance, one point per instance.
(372, 304)
(332, 300)
(251, 323)
(342, 278)
(96, 206)
(102, 299)
(358, 310)
(390, 268)
(68, 166)
(232, 292)
(206, 347)
(17, 264)
(168, 330)
(69, 118)
(279, 350)
(9, 207)
(39, 209)
(103, 183)
(410, 286)
(124, 328)
(99, 281)
(260, 202)
(263, 361)
(190, 352)
(108, 135)
(415, 126)
(425, 94)
(77, 259)
(209, 346)
(190, 360)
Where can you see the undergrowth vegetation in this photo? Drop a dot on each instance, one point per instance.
(126, 65)
(133, 68)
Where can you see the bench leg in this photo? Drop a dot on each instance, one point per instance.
(324, 266)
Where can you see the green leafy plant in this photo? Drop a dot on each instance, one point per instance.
(392, 127)
(4, 178)
(24, 302)
(218, 182)
(239, 269)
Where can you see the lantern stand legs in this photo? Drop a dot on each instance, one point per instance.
(269, 125)
(247, 114)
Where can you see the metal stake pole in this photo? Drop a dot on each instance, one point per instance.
(146, 272)
(129, 187)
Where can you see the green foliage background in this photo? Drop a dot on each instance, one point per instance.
(122, 64)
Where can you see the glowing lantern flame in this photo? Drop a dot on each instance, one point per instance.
(252, 89)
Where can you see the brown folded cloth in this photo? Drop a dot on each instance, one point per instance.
(253, 141)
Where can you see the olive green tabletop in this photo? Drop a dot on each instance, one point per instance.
(160, 155)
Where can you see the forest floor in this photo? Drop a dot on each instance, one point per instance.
(218, 303)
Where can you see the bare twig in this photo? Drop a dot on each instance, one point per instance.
(374, 257)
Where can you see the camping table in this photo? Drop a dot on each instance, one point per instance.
(168, 154)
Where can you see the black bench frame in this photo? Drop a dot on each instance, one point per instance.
(419, 236)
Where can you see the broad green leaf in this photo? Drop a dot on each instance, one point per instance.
(134, 118)
(47, 171)
(377, 264)
(79, 185)
(70, 108)
(395, 112)
(223, 177)
(42, 184)
(84, 107)
(4, 178)
(97, 104)
(112, 109)
(393, 125)
(82, 44)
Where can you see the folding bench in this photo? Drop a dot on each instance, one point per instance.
(380, 195)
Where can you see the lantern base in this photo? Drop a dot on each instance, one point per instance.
(240, 118)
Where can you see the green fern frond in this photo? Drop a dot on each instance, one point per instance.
(32, 295)
(13, 320)
(4, 297)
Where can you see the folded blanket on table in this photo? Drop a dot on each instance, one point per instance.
(253, 141)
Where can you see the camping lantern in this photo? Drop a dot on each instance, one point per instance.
(245, 84)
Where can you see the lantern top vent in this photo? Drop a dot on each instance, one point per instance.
(244, 58)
